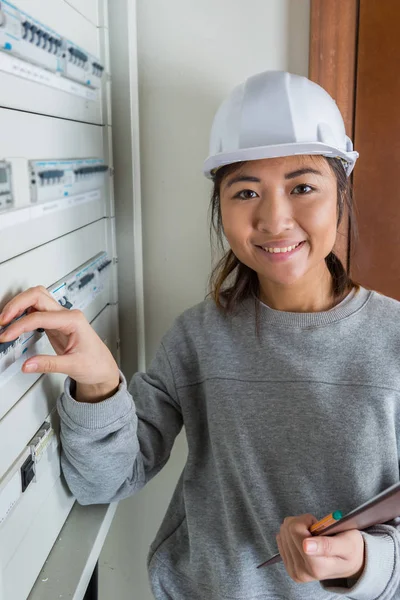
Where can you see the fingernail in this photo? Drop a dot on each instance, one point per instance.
(30, 367)
(311, 547)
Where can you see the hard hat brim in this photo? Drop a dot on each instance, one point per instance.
(213, 163)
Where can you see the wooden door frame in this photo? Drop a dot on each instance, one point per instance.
(333, 52)
(333, 65)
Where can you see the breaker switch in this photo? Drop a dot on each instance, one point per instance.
(65, 302)
(48, 176)
(104, 265)
(26, 26)
(77, 57)
(97, 69)
(45, 38)
(85, 280)
(91, 170)
(57, 45)
(34, 29)
(27, 473)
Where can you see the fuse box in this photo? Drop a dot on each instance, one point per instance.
(78, 290)
(55, 179)
(55, 61)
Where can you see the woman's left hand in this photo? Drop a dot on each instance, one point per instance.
(315, 558)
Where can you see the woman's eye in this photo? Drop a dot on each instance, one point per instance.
(302, 189)
(246, 195)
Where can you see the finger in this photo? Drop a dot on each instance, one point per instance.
(325, 546)
(63, 320)
(37, 297)
(292, 555)
(50, 364)
(301, 529)
(282, 550)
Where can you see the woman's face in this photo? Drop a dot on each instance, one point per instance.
(273, 204)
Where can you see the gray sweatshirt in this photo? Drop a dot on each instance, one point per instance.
(302, 418)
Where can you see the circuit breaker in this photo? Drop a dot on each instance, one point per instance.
(62, 195)
(24, 38)
(52, 180)
(78, 290)
(55, 62)
(6, 196)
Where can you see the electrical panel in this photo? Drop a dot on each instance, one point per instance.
(19, 478)
(63, 195)
(25, 516)
(25, 417)
(78, 290)
(35, 504)
(52, 180)
(24, 38)
(56, 218)
(6, 195)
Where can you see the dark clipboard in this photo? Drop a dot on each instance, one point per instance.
(383, 507)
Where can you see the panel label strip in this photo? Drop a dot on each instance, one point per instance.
(16, 217)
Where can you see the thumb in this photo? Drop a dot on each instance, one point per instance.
(49, 364)
(319, 546)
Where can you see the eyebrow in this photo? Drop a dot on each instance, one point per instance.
(240, 178)
(292, 175)
(304, 171)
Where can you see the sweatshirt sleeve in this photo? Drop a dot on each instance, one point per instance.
(113, 448)
(380, 579)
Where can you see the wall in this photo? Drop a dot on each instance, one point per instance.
(190, 56)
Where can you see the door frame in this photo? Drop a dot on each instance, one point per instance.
(334, 28)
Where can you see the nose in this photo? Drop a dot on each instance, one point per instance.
(273, 214)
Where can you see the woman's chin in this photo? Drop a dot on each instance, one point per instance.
(283, 278)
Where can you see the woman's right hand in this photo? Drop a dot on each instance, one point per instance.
(81, 354)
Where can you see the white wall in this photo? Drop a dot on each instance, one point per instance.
(191, 54)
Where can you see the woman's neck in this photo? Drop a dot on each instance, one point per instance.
(306, 295)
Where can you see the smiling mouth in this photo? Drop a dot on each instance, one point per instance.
(281, 250)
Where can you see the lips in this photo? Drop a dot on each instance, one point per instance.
(281, 250)
(278, 255)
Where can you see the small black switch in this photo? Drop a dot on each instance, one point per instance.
(33, 32)
(65, 302)
(85, 280)
(52, 174)
(104, 265)
(26, 25)
(27, 473)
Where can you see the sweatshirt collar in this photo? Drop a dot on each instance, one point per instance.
(314, 319)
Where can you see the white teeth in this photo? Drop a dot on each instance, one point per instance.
(280, 250)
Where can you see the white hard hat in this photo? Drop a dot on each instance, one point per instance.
(277, 114)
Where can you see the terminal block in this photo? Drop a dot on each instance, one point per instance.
(28, 39)
(55, 179)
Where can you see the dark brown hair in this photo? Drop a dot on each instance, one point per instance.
(231, 281)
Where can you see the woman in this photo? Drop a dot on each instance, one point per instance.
(286, 379)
